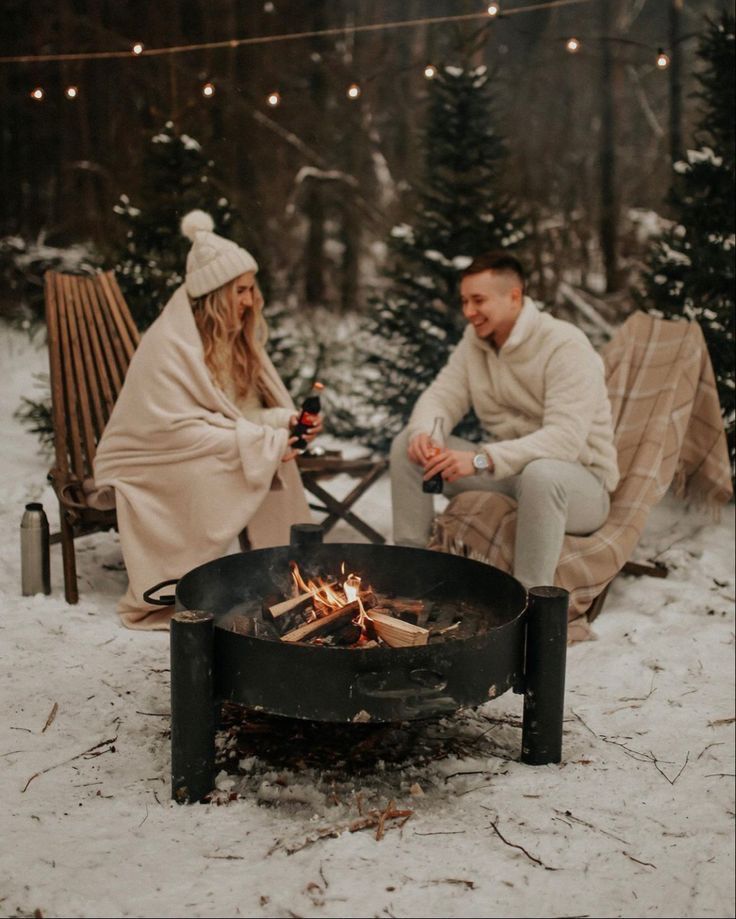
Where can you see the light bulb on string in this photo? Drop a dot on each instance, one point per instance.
(493, 9)
(274, 99)
(208, 90)
(71, 92)
(663, 61)
(137, 48)
(572, 45)
(430, 71)
(38, 94)
(353, 91)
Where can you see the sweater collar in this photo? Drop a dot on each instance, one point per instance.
(523, 327)
(525, 324)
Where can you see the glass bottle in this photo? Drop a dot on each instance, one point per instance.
(435, 485)
(311, 407)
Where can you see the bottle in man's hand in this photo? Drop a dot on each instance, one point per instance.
(435, 485)
(311, 407)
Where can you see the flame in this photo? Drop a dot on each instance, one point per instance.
(326, 598)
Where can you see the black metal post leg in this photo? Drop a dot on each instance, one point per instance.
(544, 676)
(192, 706)
(306, 534)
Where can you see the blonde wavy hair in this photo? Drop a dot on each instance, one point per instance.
(226, 335)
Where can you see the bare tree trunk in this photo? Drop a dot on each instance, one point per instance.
(608, 197)
(314, 280)
(675, 81)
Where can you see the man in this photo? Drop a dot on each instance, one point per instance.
(538, 390)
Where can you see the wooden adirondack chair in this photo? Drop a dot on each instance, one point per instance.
(91, 339)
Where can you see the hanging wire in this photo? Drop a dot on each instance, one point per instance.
(138, 50)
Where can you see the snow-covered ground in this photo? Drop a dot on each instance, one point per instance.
(638, 819)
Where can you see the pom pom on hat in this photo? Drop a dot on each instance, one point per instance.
(194, 221)
(213, 260)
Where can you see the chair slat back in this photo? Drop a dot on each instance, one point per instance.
(91, 340)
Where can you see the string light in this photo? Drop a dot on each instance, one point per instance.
(663, 61)
(37, 94)
(430, 71)
(572, 45)
(353, 91)
(208, 90)
(289, 36)
(71, 92)
(274, 99)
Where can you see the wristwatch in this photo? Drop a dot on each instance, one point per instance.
(481, 463)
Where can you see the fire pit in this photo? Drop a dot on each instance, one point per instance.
(482, 638)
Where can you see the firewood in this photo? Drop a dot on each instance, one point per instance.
(395, 632)
(323, 625)
(412, 611)
(368, 598)
(293, 604)
(253, 628)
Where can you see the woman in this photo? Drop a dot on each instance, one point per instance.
(198, 444)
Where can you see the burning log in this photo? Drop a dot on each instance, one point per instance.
(412, 611)
(292, 605)
(254, 628)
(395, 632)
(323, 625)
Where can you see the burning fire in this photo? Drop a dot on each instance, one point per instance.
(326, 598)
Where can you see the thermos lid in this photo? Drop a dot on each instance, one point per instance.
(34, 506)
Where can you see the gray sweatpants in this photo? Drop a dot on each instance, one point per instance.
(554, 497)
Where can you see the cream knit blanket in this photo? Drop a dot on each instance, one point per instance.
(189, 472)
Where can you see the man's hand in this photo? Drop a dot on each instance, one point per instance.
(421, 449)
(452, 464)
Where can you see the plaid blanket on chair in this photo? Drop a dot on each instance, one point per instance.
(668, 430)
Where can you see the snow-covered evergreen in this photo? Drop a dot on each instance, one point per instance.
(460, 211)
(691, 267)
(177, 177)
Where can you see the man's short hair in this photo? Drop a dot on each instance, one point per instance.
(500, 262)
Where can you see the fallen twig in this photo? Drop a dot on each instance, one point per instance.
(228, 858)
(571, 816)
(720, 721)
(639, 861)
(671, 781)
(514, 845)
(369, 820)
(474, 772)
(461, 881)
(52, 715)
(90, 752)
(716, 743)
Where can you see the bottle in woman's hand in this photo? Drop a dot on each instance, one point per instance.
(435, 485)
(308, 416)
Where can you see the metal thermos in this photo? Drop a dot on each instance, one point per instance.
(34, 551)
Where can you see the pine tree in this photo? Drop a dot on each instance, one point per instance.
(690, 271)
(461, 212)
(176, 177)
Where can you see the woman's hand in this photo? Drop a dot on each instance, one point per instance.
(452, 464)
(290, 454)
(309, 435)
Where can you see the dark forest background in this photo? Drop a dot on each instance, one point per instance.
(318, 181)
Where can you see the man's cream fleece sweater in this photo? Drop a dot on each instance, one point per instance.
(542, 395)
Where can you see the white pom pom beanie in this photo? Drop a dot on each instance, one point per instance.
(212, 260)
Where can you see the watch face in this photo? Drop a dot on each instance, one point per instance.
(480, 461)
